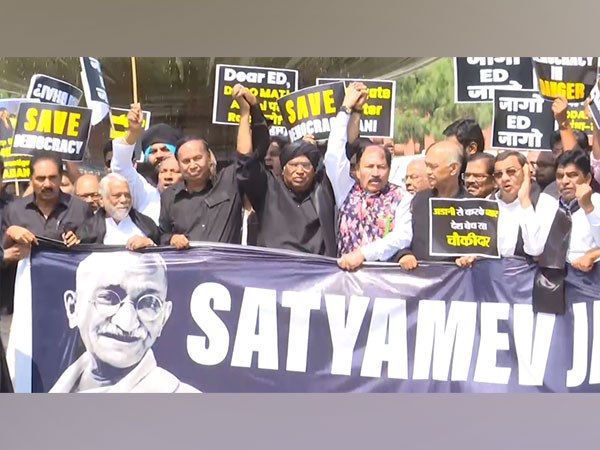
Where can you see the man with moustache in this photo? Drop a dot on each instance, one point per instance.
(297, 210)
(116, 223)
(569, 221)
(119, 312)
(444, 161)
(478, 177)
(47, 212)
(374, 215)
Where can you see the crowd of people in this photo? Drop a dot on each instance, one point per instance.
(347, 201)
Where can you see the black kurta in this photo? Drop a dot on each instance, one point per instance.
(302, 222)
(212, 215)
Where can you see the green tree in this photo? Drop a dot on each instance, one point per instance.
(425, 103)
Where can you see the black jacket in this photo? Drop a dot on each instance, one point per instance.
(93, 230)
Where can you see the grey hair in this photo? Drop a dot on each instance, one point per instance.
(104, 182)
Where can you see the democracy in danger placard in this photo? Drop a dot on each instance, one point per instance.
(570, 77)
(59, 128)
(309, 111)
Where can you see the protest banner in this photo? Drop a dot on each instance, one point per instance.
(595, 104)
(120, 123)
(310, 110)
(46, 126)
(522, 120)
(378, 112)
(579, 120)
(570, 77)
(476, 78)
(265, 83)
(52, 90)
(225, 323)
(459, 227)
(16, 168)
(94, 88)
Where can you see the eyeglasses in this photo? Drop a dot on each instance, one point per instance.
(108, 302)
(306, 165)
(511, 172)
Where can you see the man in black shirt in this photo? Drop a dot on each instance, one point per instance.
(295, 211)
(47, 212)
(200, 207)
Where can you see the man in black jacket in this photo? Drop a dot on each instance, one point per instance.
(444, 161)
(295, 211)
(116, 223)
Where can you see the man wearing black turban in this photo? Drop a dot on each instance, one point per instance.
(295, 211)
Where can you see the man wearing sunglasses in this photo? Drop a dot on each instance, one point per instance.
(119, 311)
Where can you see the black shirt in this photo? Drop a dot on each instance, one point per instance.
(69, 213)
(212, 215)
(420, 223)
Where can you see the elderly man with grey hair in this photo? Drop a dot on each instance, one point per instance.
(443, 161)
(119, 312)
(116, 223)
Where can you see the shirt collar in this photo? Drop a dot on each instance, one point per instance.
(181, 186)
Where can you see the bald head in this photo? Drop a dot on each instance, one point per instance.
(87, 188)
(416, 176)
(444, 160)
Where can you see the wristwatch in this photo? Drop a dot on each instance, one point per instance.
(346, 109)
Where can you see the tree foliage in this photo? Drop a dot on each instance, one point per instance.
(425, 103)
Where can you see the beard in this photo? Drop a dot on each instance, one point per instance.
(118, 213)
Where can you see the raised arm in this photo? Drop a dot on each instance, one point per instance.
(336, 162)
(143, 194)
(559, 108)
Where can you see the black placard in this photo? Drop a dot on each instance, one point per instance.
(476, 78)
(523, 120)
(570, 77)
(463, 227)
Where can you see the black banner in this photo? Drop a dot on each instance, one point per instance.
(476, 78)
(460, 227)
(309, 110)
(227, 318)
(571, 77)
(45, 126)
(94, 88)
(266, 84)
(523, 120)
(378, 112)
(52, 90)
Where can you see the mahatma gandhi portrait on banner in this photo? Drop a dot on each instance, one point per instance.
(120, 308)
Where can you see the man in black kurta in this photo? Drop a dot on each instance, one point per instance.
(295, 211)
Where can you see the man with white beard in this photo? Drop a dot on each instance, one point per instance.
(116, 223)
